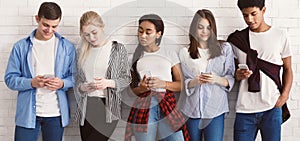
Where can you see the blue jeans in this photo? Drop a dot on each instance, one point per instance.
(212, 129)
(156, 124)
(51, 128)
(269, 122)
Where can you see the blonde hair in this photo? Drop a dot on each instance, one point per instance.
(87, 18)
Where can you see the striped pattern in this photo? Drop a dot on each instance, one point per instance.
(119, 71)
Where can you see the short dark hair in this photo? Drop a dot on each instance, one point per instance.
(50, 11)
(250, 3)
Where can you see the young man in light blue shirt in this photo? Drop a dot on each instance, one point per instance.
(40, 69)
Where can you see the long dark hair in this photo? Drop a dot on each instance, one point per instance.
(159, 27)
(214, 46)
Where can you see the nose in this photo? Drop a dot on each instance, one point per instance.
(249, 19)
(142, 35)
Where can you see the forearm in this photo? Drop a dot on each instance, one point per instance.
(287, 80)
(222, 81)
(139, 90)
(173, 86)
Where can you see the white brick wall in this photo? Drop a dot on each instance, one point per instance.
(120, 17)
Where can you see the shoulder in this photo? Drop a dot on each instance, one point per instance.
(22, 44)
(183, 51)
(226, 47)
(118, 46)
(278, 31)
(238, 33)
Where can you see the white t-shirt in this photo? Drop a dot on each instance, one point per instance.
(96, 65)
(158, 63)
(196, 65)
(43, 58)
(271, 46)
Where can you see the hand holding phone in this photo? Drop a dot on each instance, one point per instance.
(243, 66)
(49, 76)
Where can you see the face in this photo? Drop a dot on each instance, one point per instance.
(147, 34)
(93, 34)
(253, 17)
(46, 28)
(203, 30)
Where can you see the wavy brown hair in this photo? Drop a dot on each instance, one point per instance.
(214, 46)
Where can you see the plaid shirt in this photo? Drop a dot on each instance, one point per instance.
(139, 114)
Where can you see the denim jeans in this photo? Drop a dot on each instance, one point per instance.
(51, 128)
(269, 122)
(158, 125)
(211, 129)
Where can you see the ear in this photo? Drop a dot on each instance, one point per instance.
(37, 18)
(263, 10)
(158, 34)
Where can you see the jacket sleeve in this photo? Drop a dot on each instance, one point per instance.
(15, 76)
(124, 78)
(69, 77)
(229, 66)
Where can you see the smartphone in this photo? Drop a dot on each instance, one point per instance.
(243, 66)
(49, 76)
(205, 73)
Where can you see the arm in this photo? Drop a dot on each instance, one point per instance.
(287, 79)
(121, 82)
(174, 86)
(14, 76)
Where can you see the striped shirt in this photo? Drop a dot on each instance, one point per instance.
(119, 71)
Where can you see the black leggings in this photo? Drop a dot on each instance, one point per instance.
(95, 127)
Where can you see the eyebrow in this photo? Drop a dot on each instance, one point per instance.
(147, 29)
(49, 25)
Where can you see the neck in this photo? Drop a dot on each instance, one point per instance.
(203, 44)
(102, 43)
(151, 48)
(263, 28)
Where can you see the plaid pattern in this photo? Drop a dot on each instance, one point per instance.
(241, 40)
(139, 114)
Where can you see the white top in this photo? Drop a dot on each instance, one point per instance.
(43, 58)
(96, 65)
(158, 63)
(271, 46)
(196, 65)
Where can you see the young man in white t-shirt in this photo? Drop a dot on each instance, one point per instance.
(265, 49)
(40, 68)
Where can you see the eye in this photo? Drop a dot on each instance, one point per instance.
(94, 33)
(46, 25)
(253, 14)
(200, 27)
(86, 35)
(209, 28)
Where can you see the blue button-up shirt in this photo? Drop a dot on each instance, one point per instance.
(19, 73)
(208, 100)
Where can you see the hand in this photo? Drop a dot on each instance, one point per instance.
(144, 83)
(196, 81)
(53, 83)
(241, 74)
(102, 83)
(38, 82)
(87, 87)
(213, 78)
(281, 100)
(155, 82)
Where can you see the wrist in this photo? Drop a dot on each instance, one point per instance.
(111, 83)
(166, 84)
